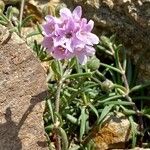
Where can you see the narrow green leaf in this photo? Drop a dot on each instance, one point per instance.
(120, 87)
(129, 71)
(119, 102)
(101, 48)
(104, 113)
(57, 68)
(113, 38)
(79, 75)
(19, 28)
(72, 89)
(134, 131)
(13, 29)
(26, 20)
(64, 138)
(4, 23)
(91, 145)
(72, 119)
(127, 111)
(39, 28)
(147, 115)
(124, 59)
(100, 75)
(110, 98)
(113, 76)
(49, 128)
(82, 123)
(141, 98)
(138, 87)
(117, 56)
(87, 125)
(4, 18)
(72, 62)
(32, 34)
(50, 109)
(93, 109)
(111, 67)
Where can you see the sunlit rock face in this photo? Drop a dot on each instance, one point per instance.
(22, 93)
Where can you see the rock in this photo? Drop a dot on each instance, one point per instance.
(114, 133)
(22, 91)
(129, 19)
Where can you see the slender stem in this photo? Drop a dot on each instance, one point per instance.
(57, 102)
(135, 109)
(58, 142)
(57, 105)
(21, 12)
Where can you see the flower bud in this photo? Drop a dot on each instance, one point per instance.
(107, 85)
(93, 64)
(15, 11)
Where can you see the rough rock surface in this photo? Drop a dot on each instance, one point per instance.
(22, 90)
(129, 19)
(114, 133)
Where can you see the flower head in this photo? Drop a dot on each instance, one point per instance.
(69, 36)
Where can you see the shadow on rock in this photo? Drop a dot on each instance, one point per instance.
(9, 133)
(9, 130)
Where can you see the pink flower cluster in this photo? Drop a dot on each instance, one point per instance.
(69, 36)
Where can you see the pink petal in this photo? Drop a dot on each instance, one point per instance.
(65, 13)
(83, 22)
(82, 59)
(48, 29)
(48, 43)
(67, 45)
(93, 38)
(59, 41)
(82, 36)
(49, 18)
(76, 43)
(60, 53)
(77, 13)
(70, 26)
(90, 26)
(59, 31)
(90, 51)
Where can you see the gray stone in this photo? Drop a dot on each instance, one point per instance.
(22, 91)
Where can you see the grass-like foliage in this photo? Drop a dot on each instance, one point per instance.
(82, 96)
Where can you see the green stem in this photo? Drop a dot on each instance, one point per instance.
(21, 12)
(111, 67)
(79, 75)
(57, 102)
(57, 106)
(141, 126)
